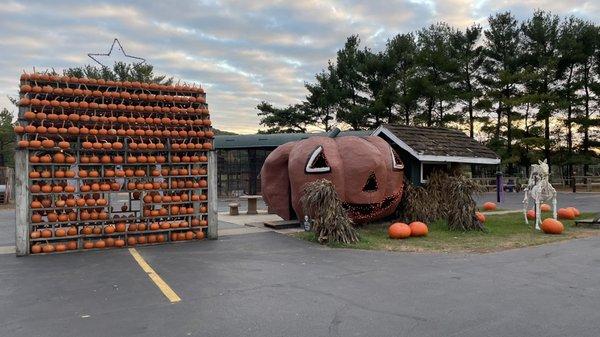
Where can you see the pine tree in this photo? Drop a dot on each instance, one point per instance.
(400, 55)
(468, 54)
(571, 57)
(378, 87)
(352, 108)
(540, 45)
(120, 72)
(7, 138)
(436, 67)
(502, 74)
(323, 98)
(590, 70)
(291, 119)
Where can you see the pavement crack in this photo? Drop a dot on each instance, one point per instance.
(360, 305)
(336, 321)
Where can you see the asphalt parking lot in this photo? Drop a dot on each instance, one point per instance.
(268, 284)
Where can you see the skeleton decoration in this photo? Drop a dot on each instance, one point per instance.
(539, 189)
(367, 174)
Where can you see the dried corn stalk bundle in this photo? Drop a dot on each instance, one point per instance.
(322, 204)
(448, 197)
(415, 205)
(461, 206)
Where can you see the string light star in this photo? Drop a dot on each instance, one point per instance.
(94, 56)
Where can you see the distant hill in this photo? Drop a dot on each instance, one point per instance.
(220, 132)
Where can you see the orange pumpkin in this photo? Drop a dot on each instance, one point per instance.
(489, 206)
(551, 226)
(48, 248)
(36, 249)
(399, 230)
(480, 217)
(418, 228)
(575, 211)
(110, 242)
(531, 214)
(566, 213)
(545, 208)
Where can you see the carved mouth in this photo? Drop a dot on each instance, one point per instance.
(363, 211)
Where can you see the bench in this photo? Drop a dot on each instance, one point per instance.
(252, 202)
(592, 223)
(234, 208)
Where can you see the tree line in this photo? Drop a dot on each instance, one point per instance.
(530, 89)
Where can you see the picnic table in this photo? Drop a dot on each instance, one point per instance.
(252, 202)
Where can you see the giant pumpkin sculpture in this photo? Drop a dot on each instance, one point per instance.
(366, 172)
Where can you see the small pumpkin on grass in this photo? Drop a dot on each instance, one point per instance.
(399, 230)
(575, 211)
(489, 206)
(531, 214)
(551, 226)
(418, 228)
(480, 217)
(566, 213)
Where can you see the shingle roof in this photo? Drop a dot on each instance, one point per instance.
(426, 143)
(272, 140)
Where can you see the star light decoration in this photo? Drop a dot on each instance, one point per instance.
(94, 56)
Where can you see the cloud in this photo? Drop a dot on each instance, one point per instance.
(243, 52)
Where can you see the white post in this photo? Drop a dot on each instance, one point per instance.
(21, 198)
(538, 214)
(213, 219)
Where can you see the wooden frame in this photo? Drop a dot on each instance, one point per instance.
(136, 210)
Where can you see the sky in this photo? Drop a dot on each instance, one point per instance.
(241, 52)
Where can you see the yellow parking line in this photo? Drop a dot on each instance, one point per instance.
(160, 283)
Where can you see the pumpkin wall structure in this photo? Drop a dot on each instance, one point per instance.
(105, 164)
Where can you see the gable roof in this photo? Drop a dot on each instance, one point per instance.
(272, 140)
(438, 144)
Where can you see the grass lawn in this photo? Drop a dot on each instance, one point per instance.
(504, 231)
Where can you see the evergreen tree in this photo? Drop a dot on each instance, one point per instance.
(502, 74)
(291, 119)
(540, 45)
(436, 68)
(378, 87)
(590, 70)
(323, 97)
(7, 138)
(352, 108)
(468, 54)
(120, 72)
(571, 57)
(400, 57)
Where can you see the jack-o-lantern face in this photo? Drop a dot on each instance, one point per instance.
(366, 172)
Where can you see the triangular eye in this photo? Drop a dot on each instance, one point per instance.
(397, 163)
(317, 163)
(371, 184)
